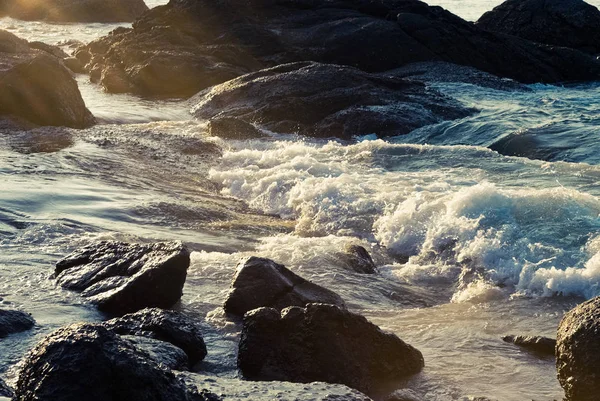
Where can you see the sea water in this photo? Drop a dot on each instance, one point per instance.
(471, 244)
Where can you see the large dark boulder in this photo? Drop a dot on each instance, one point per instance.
(36, 86)
(568, 23)
(323, 343)
(578, 352)
(539, 345)
(14, 321)
(89, 362)
(122, 278)
(188, 45)
(5, 391)
(326, 100)
(164, 325)
(75, 10)
(261, 282)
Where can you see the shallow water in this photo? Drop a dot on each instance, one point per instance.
(471, 244)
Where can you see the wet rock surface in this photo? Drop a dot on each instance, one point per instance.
(578, 352)
(5, 391)
(122, 278)
(14, 321)
(89, 362)
(37, 87)
(161, 352)
(323, 343)
(325, 100)
(188, 45)
(261, 282)
(543, 346)
(568, 23)
(163, 325)
(74, 10)
(356, 258)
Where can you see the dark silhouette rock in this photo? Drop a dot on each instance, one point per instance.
(540, 345)
(36, 86)
(164, 325)
(74, 65)
(261, 282)
(326, 100)
(5, 391)
(14, 321)
(160, 352)
(89, 362)
(185, 46)
(75, 10)
(568, 23)
(123, 278)
(323, 343)
(578, 352)
(358, 259)
(233, 128)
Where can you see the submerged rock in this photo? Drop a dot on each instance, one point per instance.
(568, 23)
(323, 343)
(233, 128)
(188, 45)
(36, 86)
(578, 352)
(326, 100)
(75, 10)
(89, 362)
(14, 321)
(358, 259)
(164, 325)
(122, 278)
(5, 391)
(539, 345)
(262, 282)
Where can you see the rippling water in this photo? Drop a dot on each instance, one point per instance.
(472, 243)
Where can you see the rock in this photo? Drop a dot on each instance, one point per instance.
(53, 50)
(578, 352)
(89, 362)
(122, 278)
(14, 321)
(323, 343)
(568, 23)
(537, 344)
(188, 45)
(161, 352)
(36, 86)
(261, 282)
(163, 325)
(5, 391)
(403, 395)
(233, 128)
(357, 259)
(325, 100)
(74, 65)
(76, 10)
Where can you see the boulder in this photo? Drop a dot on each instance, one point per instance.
(89, 362)
(160, 352)
(568, 23)
(14, 321)
(323, 343)
(578, 352)
(164, 325)
(122, 278)
(36, 86)
(356, 258)
(5, 391)
(185, 46)
(233, 128)
(540, 345)
(326, 100)
(261, 282)
(75, 10)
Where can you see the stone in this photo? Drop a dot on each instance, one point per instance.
(75, 10)
(326, 100)
(189, 45)
(14, 321)
(122, 278)
(578, 352)
(567, 23)
(36, 86)
(356, 258)
(5, 391)
(260, 282)
(164, 325)
(540, 345)
(233, 128)
(323, 343)
(89, 362)
(161, 352)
